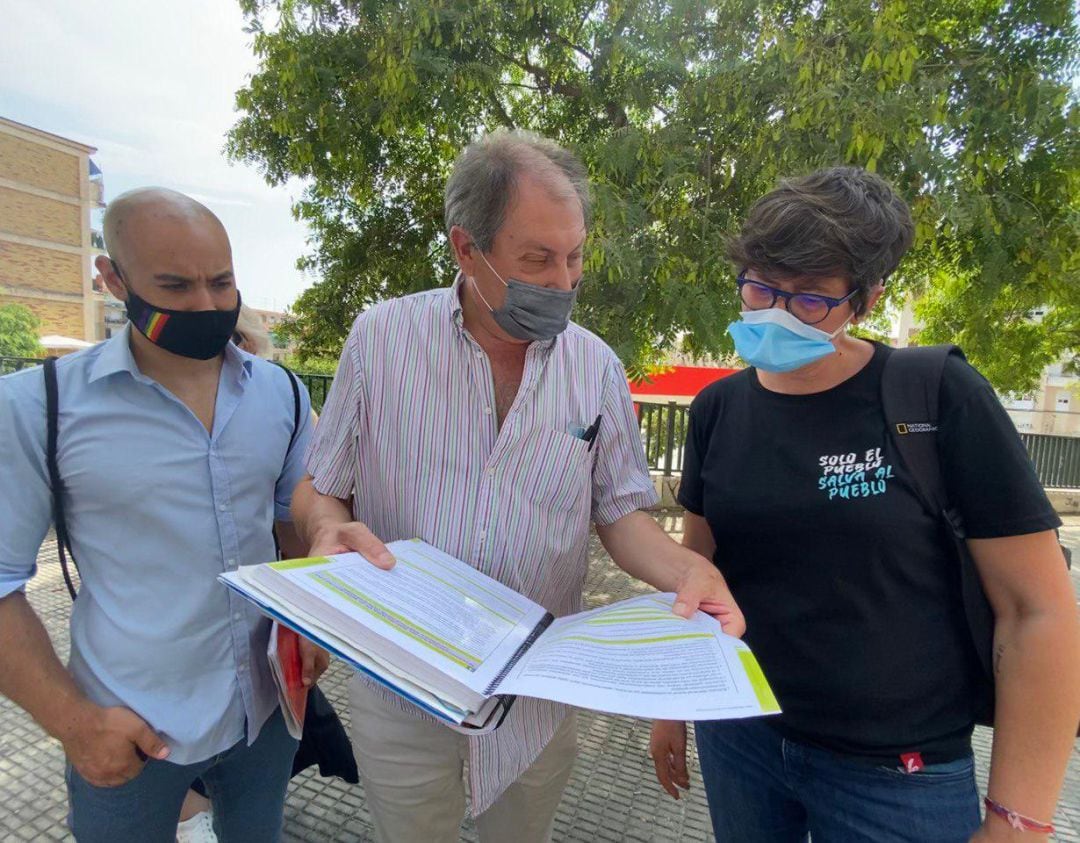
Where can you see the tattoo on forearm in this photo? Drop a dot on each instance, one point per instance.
(999, 651)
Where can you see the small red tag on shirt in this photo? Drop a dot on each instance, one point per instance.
(912, 762)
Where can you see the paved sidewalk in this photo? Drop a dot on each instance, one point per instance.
(612, 795)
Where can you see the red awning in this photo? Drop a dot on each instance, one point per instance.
(681, 381)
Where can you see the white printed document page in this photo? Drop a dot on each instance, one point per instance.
(639, 659)
(323, 634)
(434, 607)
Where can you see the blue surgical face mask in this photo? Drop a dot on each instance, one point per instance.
(775, 341)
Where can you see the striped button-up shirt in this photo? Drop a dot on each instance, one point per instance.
(410, 431)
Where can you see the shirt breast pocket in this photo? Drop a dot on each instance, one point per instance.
(555, 470)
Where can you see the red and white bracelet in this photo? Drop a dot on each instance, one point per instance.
(1017, 820)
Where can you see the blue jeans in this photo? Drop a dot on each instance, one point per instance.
(246, 785)
(763, 788)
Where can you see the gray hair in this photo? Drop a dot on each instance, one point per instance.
(484, 178)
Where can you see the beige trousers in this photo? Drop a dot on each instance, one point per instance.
(413, 775)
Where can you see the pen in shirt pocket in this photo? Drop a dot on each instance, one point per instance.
(585, 434)
(590, 434)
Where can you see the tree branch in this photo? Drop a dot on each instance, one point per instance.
(585, 17)
(541, 75)
(615, 111)
(566, 42)
(616, 114)
(500, 110)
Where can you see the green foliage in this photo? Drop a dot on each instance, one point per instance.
(685, 112)
(312, 365)
(19, 332)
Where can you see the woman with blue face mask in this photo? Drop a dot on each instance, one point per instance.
(848, 584)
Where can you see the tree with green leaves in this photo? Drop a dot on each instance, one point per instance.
(685, 112)
(312, 365)
(19, 332)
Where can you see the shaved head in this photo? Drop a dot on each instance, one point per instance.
(168, 249)
(131, 216)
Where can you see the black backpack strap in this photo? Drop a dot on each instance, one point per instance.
(52, 428)
(295, 429)
(296, 404)
(910, 390)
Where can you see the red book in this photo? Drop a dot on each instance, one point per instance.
(284, 654)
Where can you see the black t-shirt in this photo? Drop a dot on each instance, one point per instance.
(849, 587)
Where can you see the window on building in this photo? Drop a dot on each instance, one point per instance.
(1020, 402)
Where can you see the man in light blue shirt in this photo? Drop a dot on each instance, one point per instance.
(177, 453)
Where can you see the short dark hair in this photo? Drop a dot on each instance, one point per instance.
(841, 221)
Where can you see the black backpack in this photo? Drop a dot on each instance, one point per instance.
(910, 388)
(56, 484)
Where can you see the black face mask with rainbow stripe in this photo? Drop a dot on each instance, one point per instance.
(198, 334)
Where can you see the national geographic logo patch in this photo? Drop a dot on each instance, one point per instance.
(915, 427)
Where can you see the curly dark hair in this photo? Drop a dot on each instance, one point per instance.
(842, 221)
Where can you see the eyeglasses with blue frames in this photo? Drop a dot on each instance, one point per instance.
(809, 308)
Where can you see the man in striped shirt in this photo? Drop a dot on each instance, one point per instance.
(481, 420)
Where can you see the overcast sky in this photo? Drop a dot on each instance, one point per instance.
(151, 85)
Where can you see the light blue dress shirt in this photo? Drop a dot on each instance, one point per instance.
(157, 508)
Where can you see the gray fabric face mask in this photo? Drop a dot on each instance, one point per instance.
(531, 312)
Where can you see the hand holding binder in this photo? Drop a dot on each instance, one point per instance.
(461, 645)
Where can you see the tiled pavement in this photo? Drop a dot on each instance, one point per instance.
(612, 795)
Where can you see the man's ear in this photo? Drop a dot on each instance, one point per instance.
(872, 297)
(464, 250)
(112, 280)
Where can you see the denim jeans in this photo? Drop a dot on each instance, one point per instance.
(246, 785)
(763, 788)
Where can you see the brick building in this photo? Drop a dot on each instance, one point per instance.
(271, 320)
(47, 245)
